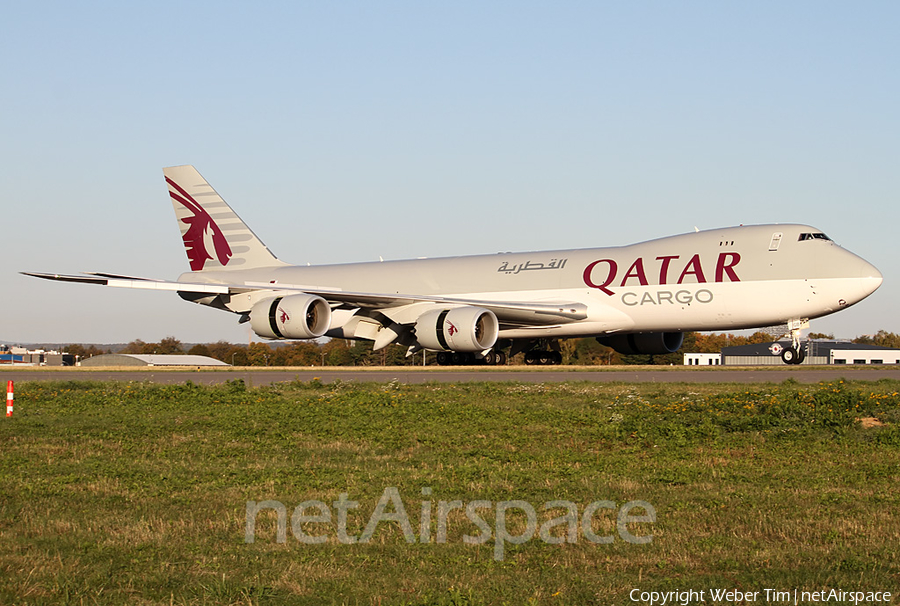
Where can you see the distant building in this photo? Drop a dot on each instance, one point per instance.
(865, 356)
(150, 360)
(36, 357)
(817, 352)
(702, 359)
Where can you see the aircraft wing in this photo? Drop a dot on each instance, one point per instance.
(507, 311)
(518, 313)
(134, 282)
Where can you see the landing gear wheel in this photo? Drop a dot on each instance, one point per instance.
(443, 358)
(792, 356)
(788, 355)
(544, 358)
(501, 358)
(490, 358)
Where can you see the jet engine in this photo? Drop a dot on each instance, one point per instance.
(463, 329)
(291, 317)
(648, 343)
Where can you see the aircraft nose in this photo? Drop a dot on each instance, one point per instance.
(872, 278)
(866, 278)
(858, 277)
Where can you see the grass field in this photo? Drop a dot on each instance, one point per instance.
(115, 493)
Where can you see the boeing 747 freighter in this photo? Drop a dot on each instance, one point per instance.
(640, 298)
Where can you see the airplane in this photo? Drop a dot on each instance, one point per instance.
(482, 309)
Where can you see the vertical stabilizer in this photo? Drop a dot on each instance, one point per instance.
(214, 236)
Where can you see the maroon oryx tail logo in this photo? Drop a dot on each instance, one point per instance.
(283, 315)
(452, 330)
(200, 226)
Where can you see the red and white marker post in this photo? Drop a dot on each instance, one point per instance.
(9, 398)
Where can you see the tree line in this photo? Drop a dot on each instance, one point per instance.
(339, 352)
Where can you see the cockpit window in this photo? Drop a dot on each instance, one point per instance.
(814, 236)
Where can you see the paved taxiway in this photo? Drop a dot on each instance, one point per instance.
(257, 376)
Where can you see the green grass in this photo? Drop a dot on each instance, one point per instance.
(116, 493)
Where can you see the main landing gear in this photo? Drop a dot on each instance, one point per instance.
(456, 358)
(543, 357)
(544, 352)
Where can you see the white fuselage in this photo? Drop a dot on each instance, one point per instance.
(731, 278)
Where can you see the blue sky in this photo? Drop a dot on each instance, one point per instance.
(347, 131)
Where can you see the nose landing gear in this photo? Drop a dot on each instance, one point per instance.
(796, 353)
(791, 355)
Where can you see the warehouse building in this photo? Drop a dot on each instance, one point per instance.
(150, 360)
(702, 359)
(35, 357)
(817, 352)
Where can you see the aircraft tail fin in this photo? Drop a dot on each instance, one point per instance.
(214, 236)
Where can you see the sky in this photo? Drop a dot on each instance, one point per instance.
(349, 131)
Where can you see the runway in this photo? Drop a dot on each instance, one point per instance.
(410, 375)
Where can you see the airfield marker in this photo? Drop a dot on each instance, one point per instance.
(9, 398)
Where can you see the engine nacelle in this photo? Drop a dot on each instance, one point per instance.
(648, 343)
(291, 317)
(464, 329)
